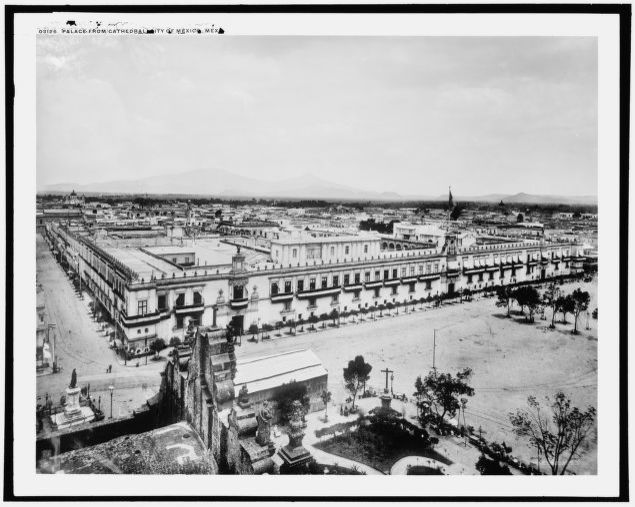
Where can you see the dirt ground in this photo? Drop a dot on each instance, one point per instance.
(511, 360)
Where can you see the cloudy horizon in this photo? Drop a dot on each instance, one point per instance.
(409, 115)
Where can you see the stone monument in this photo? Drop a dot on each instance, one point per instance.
(263, 436)
(73, 413)
(294, 455)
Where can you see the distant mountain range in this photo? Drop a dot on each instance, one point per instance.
(224, 184)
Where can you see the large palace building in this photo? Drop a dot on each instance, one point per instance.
(156, 291)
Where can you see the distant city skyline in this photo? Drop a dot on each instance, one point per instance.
(408, 115)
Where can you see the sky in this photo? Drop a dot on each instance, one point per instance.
(411, 115)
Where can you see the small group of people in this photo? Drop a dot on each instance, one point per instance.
(109, 369)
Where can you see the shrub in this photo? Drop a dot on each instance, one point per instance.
(157, 345)
(491, 467)
(175, 341)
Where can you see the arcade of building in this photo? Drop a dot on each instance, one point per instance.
(155, 292)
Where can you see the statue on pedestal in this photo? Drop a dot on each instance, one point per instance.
(73, 383)
(264, 417)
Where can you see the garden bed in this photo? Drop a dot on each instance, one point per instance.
(378, 450)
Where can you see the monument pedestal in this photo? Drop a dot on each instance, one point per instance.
(73, 413)
(294, 454)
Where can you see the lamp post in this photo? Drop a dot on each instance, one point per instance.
(48, 336)
(111, 388)
(392, 377)
(463, 403)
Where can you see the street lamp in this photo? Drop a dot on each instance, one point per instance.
(392, 377)
(463, 403)
(111, 388)
(48, 336)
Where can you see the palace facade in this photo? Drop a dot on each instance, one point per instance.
(157, 293)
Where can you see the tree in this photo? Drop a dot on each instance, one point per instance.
(324, 317)
(581, 300)
(550, 299)
(520, 218)
(505, 298)
(326, 397)
(356, 374)
(266, 328)
(291, 326)
(286, 394)
(335, 315)
(253, 330)
(157, 345)
(488, 466)
(559, 436)
(566, 305)
(442, 392)
(527, 296)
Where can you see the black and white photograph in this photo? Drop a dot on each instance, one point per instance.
(318, 244)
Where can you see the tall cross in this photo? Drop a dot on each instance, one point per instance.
(387, 371)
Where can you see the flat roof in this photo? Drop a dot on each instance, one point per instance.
(267, 372)
(301, 240)
(141, 262)
(209, 253)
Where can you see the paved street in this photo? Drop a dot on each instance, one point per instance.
(81, 345)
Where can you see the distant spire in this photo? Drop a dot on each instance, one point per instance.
(450, 200)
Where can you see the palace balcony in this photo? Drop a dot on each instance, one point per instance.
(429, 276)
(353, 287)
(452, 273)
(372, 285)
(185, 309)
(409, 279)
(281, 297)
(316, 293)
(391, 282)
(239, 304)
(287, 312)
(137, 320)
(474, 270)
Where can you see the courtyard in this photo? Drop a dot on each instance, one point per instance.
(511, 360)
